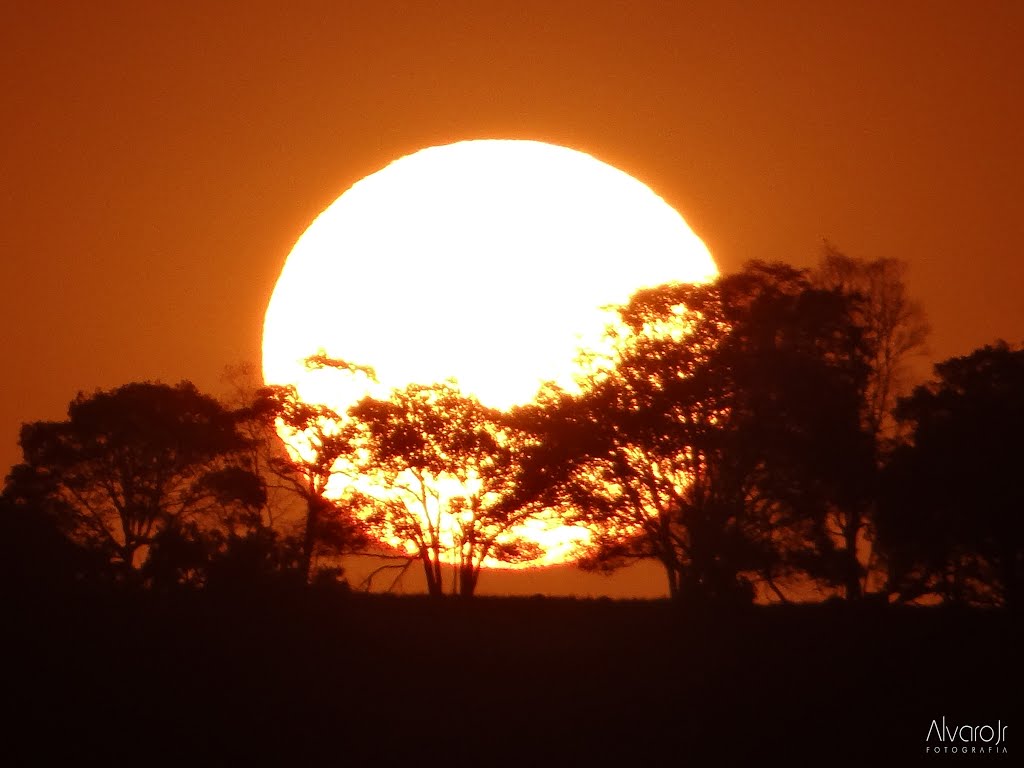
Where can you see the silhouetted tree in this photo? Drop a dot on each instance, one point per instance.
(894, 325)
(712, 443)
(952, 511)
(133, 461)
(440, 464)
(798, 357)
(305, 443)
(895, 329)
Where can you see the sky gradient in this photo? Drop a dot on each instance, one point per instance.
(159, 161)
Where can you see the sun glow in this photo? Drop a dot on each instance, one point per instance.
(489, 261)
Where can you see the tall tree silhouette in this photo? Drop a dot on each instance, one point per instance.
(712, 442)
(895, 330)
(314, 452)
(440, 464)
(798, 357)
(952, 509)
(130, 462)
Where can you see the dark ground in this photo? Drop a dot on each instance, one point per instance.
(287, 678)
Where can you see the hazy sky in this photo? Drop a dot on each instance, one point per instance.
(158, 160)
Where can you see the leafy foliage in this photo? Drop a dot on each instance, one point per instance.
(894, 326)
(951, 509)
(439, 465)
(315, 449)
(132, 462)
(717, 435)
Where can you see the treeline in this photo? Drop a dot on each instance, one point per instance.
(754, 436)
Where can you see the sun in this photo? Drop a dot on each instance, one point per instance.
(490, 261)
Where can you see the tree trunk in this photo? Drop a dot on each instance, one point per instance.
(468, 576)
(309, 537)
(673, 576)
(435, 587)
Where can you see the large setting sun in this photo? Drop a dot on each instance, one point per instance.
(492, 262)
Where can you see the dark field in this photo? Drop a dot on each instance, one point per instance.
(202, 678)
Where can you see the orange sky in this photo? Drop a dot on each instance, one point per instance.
(159, 161)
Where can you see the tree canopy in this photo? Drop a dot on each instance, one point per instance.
(438, 465)
(725, 422)
(132, 462)
(952, 507)
(313, 450)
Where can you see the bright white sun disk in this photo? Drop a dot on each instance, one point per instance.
(488, 261)
(493, 262)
